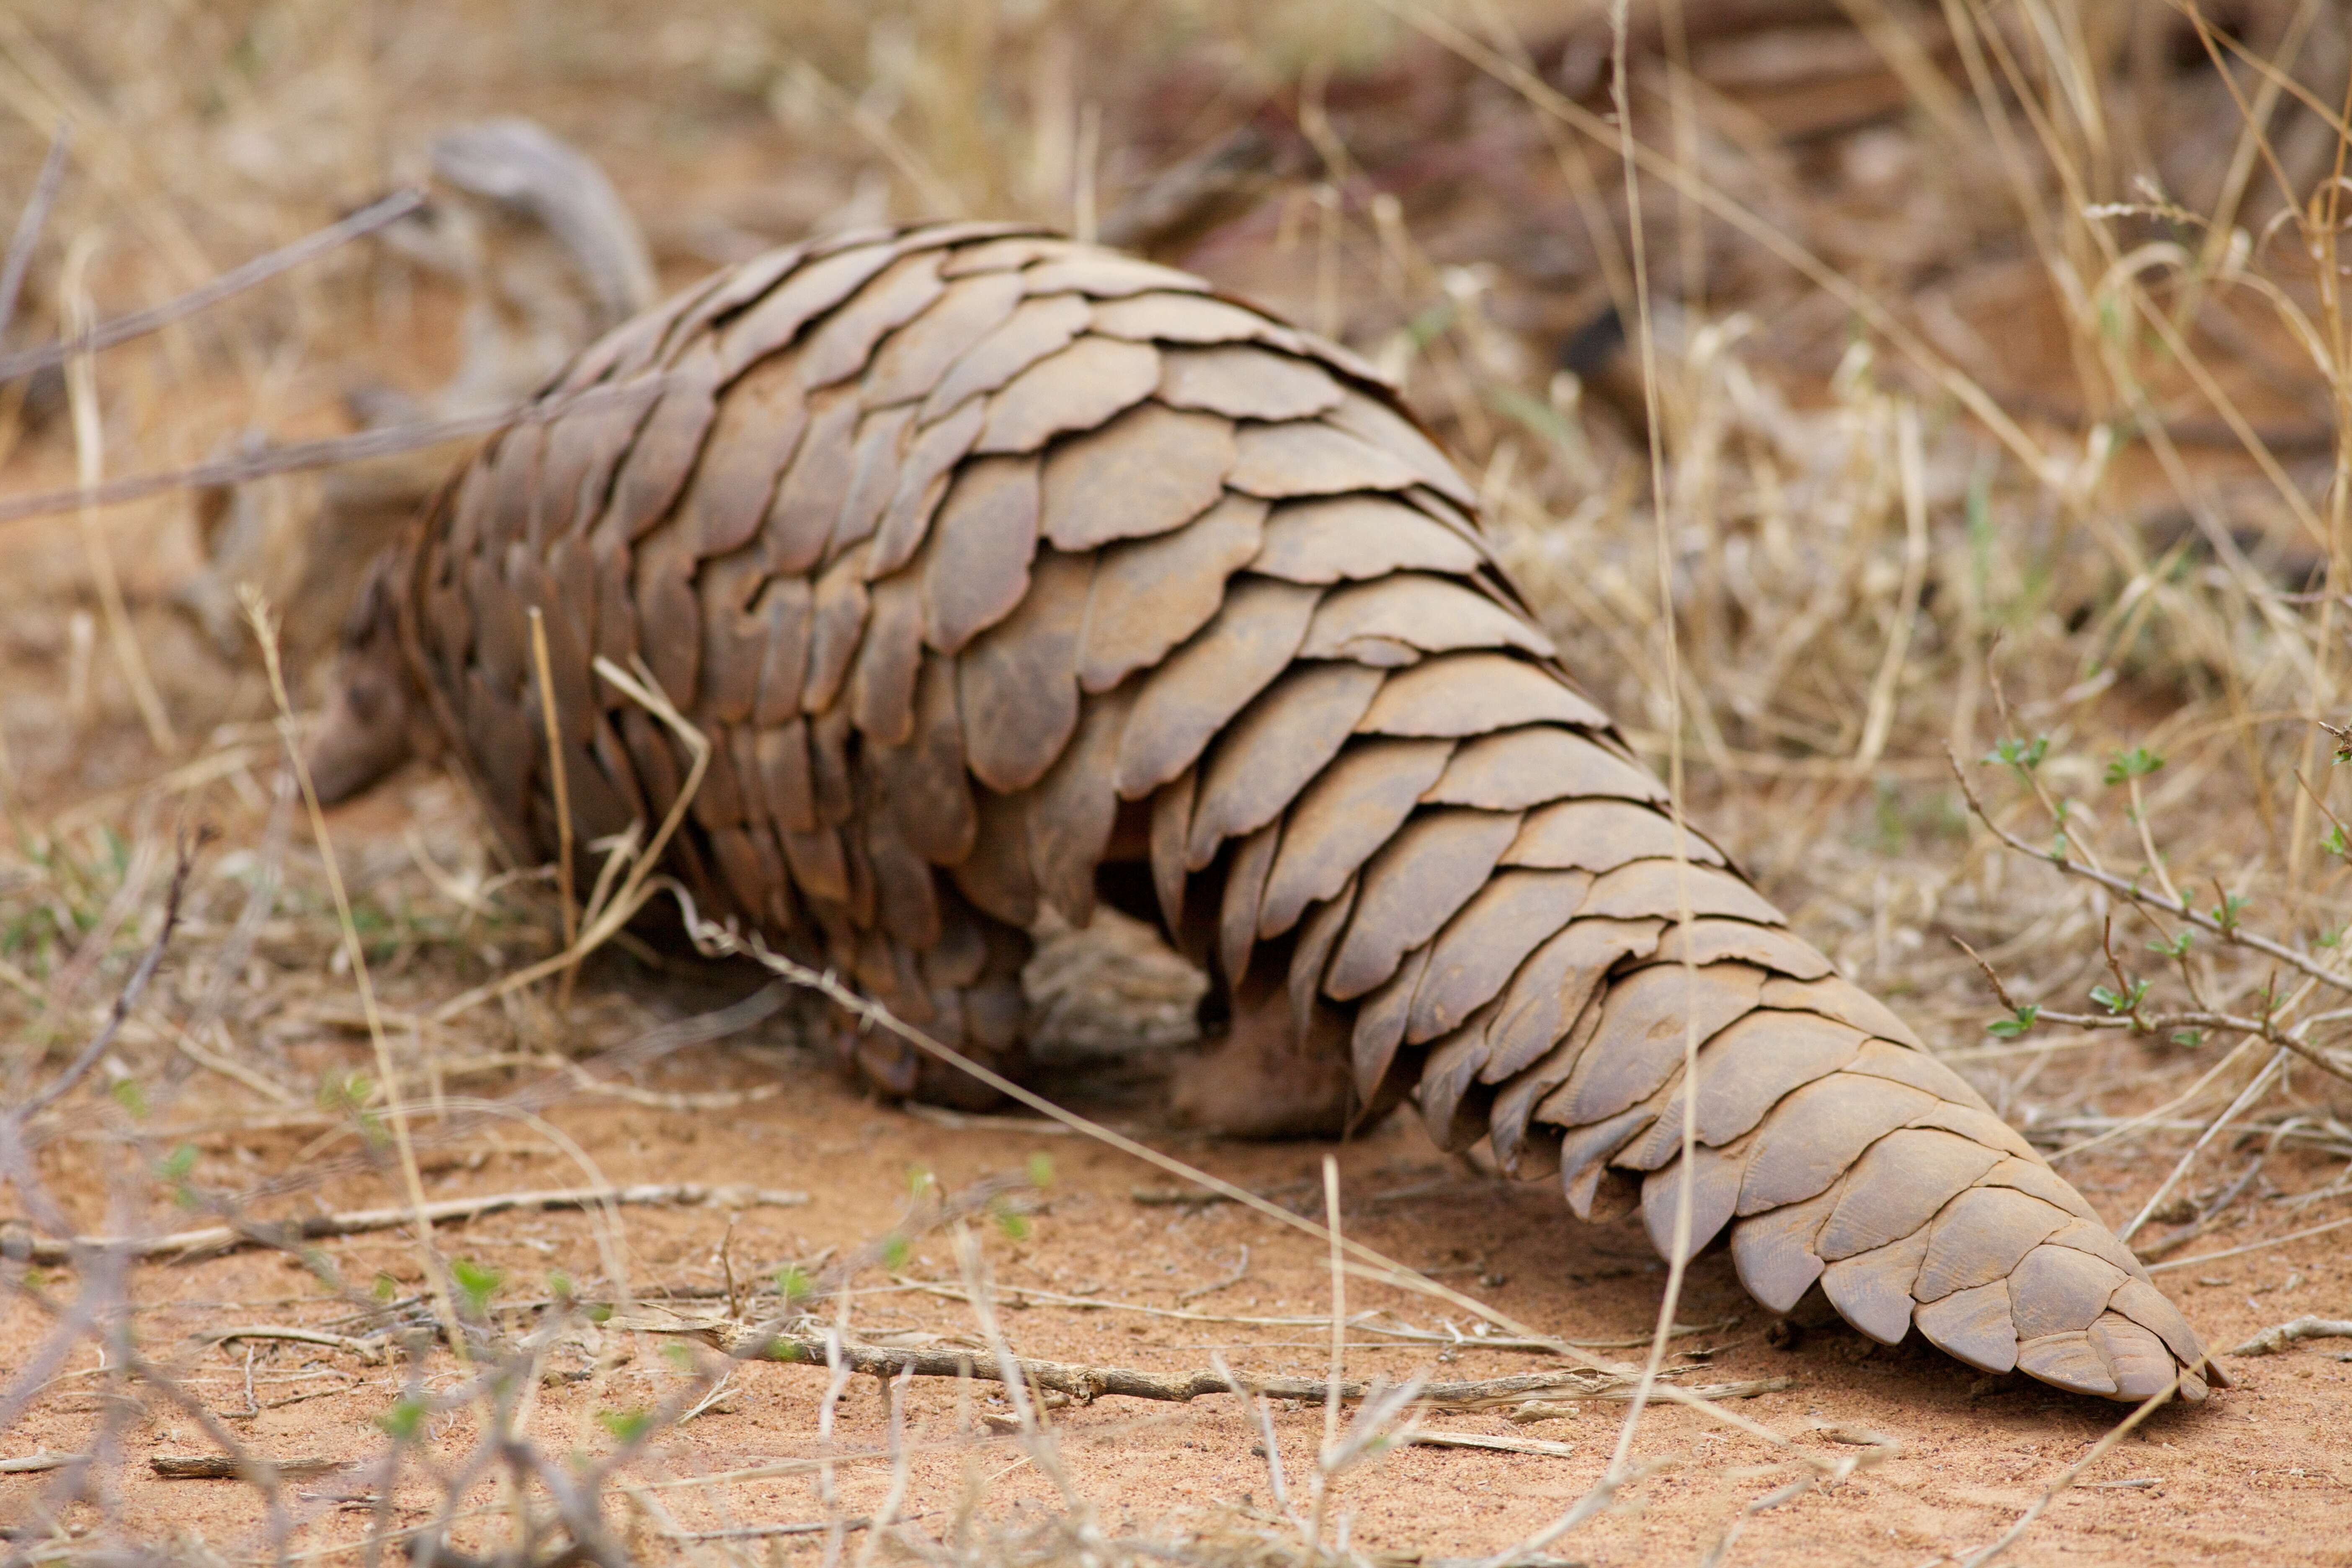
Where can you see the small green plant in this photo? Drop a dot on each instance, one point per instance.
(477, 1283)
(793, 1284)
(2016, 1023)
(2121, 1003)
(626, 1425)
(2021, 756)
(404, 1421)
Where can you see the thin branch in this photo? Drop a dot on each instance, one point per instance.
(714, 940)
(260, 269)
(132, 989)
(2098, 1451)
(30, 222)
(802, 1340)
(2249, 1246)
(327, 452)
(183, 1244)
(2276, 1338)
(2130, 890)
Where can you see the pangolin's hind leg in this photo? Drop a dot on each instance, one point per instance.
(1259, 1075)
(962, 991)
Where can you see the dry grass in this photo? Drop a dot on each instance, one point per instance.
(2003, 410)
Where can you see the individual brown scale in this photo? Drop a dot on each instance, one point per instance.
(1005, 576)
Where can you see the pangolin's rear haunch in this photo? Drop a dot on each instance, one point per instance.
(1005, 573)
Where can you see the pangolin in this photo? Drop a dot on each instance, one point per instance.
(1004, 573)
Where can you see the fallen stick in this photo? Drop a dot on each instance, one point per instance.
(803, 1342)
(34, 1464)
(1023, 1295)
(184, 1244)
(344, 1343)
(260, 269)
(1495, 1444)
(221, 1467)
(325, 452)
(2303, 1235)
(761, 1532)
(1553, 1409)
(2276, 1338)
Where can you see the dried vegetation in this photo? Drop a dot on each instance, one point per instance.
(1993, 449)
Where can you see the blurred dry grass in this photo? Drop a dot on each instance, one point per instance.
(2002, 395)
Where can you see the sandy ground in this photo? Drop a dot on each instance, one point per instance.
(2258, 1476)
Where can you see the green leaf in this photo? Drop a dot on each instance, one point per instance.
(1014, 1225)
(177, 1165)
(2016, 1023)
(2334, 842)
(385, 1287)
(2188, 1037)
(793, 1284)
(895, 1250)
(626, 1425)
(130, 1095)
(2120, 1002)
(477, 1283)
(1041, 1170)
(343, 1092)
(2178, 947)
(2136, 764)
(403, 1421)
(2023, 755)
(2231, 908)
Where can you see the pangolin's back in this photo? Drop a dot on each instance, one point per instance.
(982, 558)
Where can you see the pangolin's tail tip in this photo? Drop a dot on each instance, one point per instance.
(2001, 1278)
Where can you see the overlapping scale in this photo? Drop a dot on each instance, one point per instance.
(962, 542)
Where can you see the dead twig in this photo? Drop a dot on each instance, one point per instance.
(2229, 932)
(327, 452)
(376, 214)
(716, 940)
(222, 1468)
(182, 1246)
(2249, 1246)
(133, 990)
(2067, 1477)
(2275, 1339)
(801, 1340)
(30, 222)
(1428, 1440)
(1240, 1273)
(1553, 1409)
(764, 1531)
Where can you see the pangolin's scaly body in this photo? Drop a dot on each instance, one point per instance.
(1003, 573)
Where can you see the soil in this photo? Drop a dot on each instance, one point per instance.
(2257, 1476)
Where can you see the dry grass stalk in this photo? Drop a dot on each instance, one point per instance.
(89, 457)
(265, 632)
